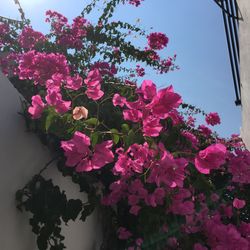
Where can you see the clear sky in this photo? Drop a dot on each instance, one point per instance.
(196, 34)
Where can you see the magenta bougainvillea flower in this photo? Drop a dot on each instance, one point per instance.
(140, 71)
(41, 66)
(79, 155)
(151, 126)
(148, 89)
(212, 119)
(54, 99)
(135, 2)
(164, 101)
(211, 158)
(37, 107)
(119, 100)
(168, 171)
(29, 38)
(93, 82)
(239, 166)
(237, 203)
(205, 130)
(157, 41)
(73, 83)
(123, 233)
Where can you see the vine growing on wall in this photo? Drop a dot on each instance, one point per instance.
(159, 179)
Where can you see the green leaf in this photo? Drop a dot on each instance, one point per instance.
(115, 136)
(125, 128)
(94, 138)
(130, 138)
(92, 122)
(49, 120)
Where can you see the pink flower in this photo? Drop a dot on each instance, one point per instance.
(151, 126)
(94, 93)
(205, 130)
(135, 2)
(210, 158)
(157, 40)
(132, 115)
(239, 166)
(237, 203)
(164, 101)
(93, 79)
(139, 241)
(37, 107)
(168, 171)
(148, 89)
(93, 82)
(212, 119)
(74, 83)
(180, 205)
(135, 210)
(4, 29)
(123, 233)
(191, 137)
(104, 68)
(198, 246)
(40, 67)
(55, 82)
(29, 38)
(78, 153)
(80, 113)
(191, 121)
(156, 198)
(118, 100)
(140, 71)
(102, 154)
(54, 98)
(76, 149)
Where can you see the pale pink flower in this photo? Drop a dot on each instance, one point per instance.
(80, 113)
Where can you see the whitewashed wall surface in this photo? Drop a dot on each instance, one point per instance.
(21, 156)
(245, 69)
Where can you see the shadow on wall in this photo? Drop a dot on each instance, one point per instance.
(22, 155)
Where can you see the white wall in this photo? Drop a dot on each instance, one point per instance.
(245, 69)
(21, 156)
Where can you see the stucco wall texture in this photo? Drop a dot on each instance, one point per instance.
(21, 156)
(245, 69)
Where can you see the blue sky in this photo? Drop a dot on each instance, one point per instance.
(196, 34)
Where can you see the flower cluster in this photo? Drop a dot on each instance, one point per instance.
(78, 153)
(29, 38)
(68, 36)
(135, 2)
(4, 30)
(157, 41)
(213, 119)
